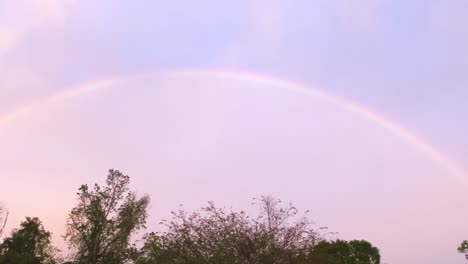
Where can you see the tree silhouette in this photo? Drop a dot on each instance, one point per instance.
(99, 228)
(344, 252)
(3, 219)
(30, 244)
(216, 235)
(463, 248)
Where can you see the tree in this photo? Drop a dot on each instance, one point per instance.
(3, 219)
(463, 248)
(30, 244)
(344, 252)
(216, 235)
(100, 227)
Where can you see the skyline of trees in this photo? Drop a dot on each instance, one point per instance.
(100, 229)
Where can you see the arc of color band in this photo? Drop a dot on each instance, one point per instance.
(281, 83)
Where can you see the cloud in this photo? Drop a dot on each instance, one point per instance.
(23, 17)
(21, 81)
(270, 24)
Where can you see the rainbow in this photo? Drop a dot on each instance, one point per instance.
(379, 119)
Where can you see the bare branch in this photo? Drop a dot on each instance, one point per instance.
(4, 222)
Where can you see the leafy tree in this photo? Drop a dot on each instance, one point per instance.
(216, 235)
(344, 252)
(100, 227)
(30, 244)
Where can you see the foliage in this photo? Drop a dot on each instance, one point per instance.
(463, 248)
(216, 235)
(30, 244)
(99, 228)
(344, 252)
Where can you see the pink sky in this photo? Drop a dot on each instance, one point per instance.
(186, 139)
(190, 138)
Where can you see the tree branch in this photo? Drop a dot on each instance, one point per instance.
(4, 223)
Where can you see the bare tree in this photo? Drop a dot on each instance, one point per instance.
(277, 235)
(3, 218)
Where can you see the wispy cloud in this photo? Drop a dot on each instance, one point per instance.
(18, 20)
(23, 17)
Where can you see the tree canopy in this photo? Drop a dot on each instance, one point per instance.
(30, 244)
(346, 252)
(463, 248)
(277, 235)
(99, 228)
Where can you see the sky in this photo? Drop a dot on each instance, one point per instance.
(232, 137)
